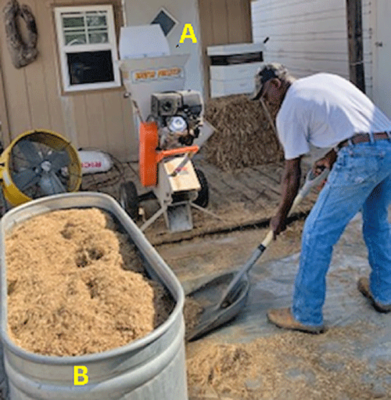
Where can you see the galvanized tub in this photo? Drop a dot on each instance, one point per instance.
(149, 368)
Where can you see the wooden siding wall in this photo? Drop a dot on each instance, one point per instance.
(223, 22)
(34, 99)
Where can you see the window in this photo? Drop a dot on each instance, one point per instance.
(88, 47)
(165, 20)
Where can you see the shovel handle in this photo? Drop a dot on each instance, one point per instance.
(311, 181)
(182, 164)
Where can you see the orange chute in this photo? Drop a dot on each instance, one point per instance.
(149, 157)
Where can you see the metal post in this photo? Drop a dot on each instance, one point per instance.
(355, 43)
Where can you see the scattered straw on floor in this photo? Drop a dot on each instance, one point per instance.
(290, 365)
(244, 136)
(76, 285)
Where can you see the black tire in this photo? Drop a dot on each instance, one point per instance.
(202, 199)
(128, 199)
(3, 203)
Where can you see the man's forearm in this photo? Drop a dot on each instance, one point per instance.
(290, 188)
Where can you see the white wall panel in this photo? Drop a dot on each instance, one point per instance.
(309, 36)
(381, 45)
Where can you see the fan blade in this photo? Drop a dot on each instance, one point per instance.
(25, 179)
(30, 151)
(51, 184)
(58, 160)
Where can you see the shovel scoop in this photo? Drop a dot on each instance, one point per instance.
(223, 297)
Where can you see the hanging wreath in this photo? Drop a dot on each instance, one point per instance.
(22, 52)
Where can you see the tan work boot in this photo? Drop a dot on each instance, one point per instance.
(363, 287)
(283, 318)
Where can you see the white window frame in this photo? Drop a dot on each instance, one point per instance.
(66, 49)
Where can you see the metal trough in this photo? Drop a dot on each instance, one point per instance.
(152, 367)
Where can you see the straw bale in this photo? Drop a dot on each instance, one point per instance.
(77, 286)
(244, 136)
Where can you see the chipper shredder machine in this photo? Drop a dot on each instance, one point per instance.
(169, 121)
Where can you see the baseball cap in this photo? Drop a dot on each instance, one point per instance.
(264, 74)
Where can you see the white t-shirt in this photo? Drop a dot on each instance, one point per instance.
(323, 110)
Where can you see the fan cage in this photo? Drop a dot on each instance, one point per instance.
(46, 141)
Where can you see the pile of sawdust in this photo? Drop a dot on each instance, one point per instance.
(244, 136)
(290, 365)
(77, 286)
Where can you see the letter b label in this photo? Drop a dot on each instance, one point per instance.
(80, 371)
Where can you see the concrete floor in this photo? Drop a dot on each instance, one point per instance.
(271, 287)
(272, 284)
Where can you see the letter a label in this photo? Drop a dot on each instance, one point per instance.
(188, 33)
(83, 374)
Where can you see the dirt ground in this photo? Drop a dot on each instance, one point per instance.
(208, 256)
(237, 199)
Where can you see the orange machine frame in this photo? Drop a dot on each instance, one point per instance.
(149, 157)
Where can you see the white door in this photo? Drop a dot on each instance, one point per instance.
(381, 46)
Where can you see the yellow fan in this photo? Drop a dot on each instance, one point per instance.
(38, 163)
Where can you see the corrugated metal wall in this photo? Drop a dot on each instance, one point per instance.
(33, 97)
(223, 22)
(381, 47)
(309, 36)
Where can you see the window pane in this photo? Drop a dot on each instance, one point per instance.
(90, 67)
(96, 20)
(98, 37)
(73, 22)
(73, 39)
(165, 21)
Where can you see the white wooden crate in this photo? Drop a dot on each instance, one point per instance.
(236, 86)
(229, 72)
(237, 48)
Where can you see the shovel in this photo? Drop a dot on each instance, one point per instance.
(227, 303)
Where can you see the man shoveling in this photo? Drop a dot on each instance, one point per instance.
(328, 111)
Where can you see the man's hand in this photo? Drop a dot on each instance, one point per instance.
(326, 162)
(277, 225)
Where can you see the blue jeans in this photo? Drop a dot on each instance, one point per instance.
(359, 180)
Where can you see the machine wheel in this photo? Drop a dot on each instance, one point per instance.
(128, 199)
(203, 195)
(3, 203)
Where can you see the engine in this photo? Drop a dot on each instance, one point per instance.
(179, 117)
